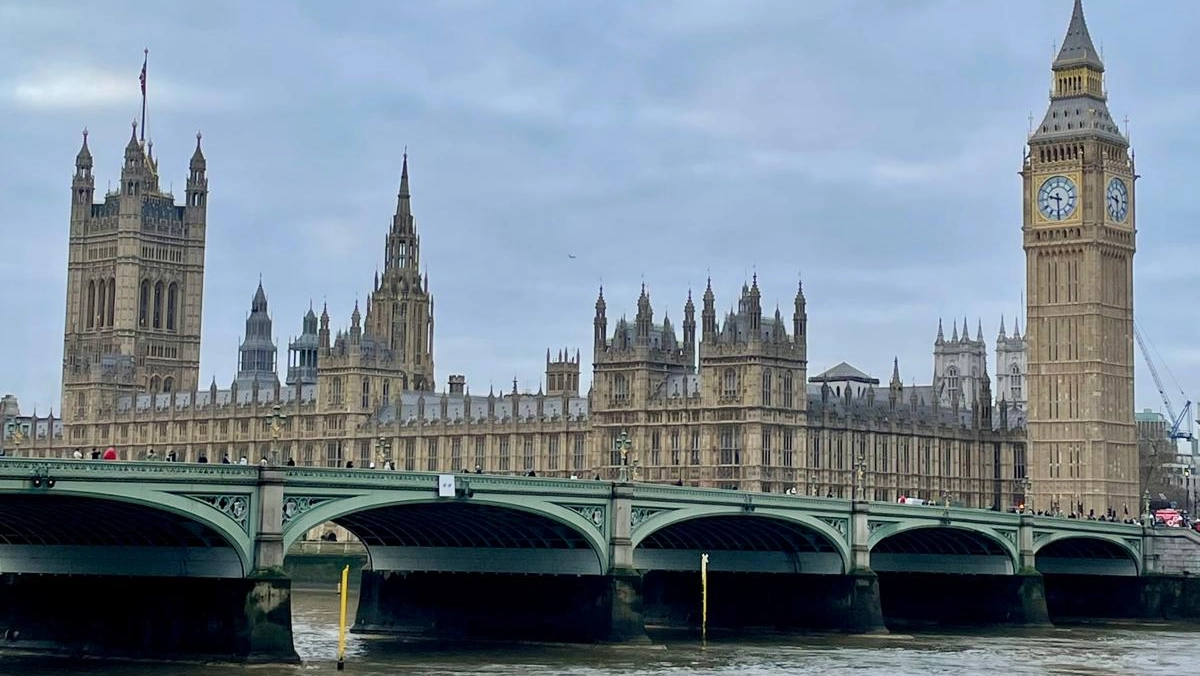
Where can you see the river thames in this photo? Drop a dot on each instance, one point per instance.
(1117, 650)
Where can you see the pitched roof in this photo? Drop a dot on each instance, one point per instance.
(843, 371)
(1077, 48)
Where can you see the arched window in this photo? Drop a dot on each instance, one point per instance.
(729, 384)
(91, 304)
(1015, 382)
(112, 300)
(144, 303)
(101, 302)
(335, 390)
(158, 301)
(766, 387)
(952, 382)
(387, 391)
(172, 302)
(154, 385)
(620, 387)
(787, 389)
(366, 393)
(168, 384)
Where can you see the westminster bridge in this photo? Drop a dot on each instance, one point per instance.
(148, 558)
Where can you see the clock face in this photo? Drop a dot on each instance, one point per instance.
(1117, 199)
(1056, 198)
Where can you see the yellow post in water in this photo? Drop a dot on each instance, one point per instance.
(704, 598)
(343, 588)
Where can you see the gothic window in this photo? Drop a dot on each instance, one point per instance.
(787, 389)
(766, 387)
(112, 301)
(577, 461)
(387, 390)
(620, 388)
(1014, 382)
(91, 304)
(729, 384)
(335, 390)
(731, 445)
(144, 302)
(366, 393)
(952, 382)
(154, 385)
(172, 304)
(168, 384)
(158, 299)
(766, 446)
(102, 297)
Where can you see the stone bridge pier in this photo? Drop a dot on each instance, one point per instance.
(119, 569)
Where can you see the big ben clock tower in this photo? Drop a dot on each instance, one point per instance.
(1079, 243)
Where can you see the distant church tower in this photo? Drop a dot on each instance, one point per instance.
(257, 354)
(1079, 244)
(959, 366)
(135, 280)
(1011, 367)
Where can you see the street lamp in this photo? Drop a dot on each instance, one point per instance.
(1027, 493)
(860, 476)
(383, 451)
(276, 427)
(1147, 520)
(1187, 490)
(622, 446)
(812, 485)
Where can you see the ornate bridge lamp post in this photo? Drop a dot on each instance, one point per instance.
(812, 485)
(276, 427)
(622, 446)
(1147, 518)
(383, 452)
(860, 478)
(1027, 494)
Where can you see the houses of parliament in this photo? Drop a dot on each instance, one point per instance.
(723, 401)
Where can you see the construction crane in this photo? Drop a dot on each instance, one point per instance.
(1177, 418)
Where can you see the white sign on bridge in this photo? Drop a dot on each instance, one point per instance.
(445, 485)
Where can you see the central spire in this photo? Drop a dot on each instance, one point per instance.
(1078, 101)
(403, 245)
(1077, 48)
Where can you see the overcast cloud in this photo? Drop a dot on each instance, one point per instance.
(871, 146)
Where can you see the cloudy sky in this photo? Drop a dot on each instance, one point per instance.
(870, 145)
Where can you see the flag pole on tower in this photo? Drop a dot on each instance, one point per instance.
(142, 78)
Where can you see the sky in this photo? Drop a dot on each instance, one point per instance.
(870, 147)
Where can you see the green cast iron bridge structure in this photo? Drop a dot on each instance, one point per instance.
(139, 520)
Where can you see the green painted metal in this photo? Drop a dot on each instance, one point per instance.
(222, 497)
(226, 498)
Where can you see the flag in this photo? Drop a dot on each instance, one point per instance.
(142, 77)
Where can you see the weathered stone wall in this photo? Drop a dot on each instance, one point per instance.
(1173, 551)
(238, 620)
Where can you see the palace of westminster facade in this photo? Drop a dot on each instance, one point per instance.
(725, 402)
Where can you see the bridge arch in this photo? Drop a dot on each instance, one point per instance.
(1086, 554)
(487, 534)
(763, 540)
(942, 548)
(89, 529)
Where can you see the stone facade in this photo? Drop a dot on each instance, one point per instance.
(1079, 239)
(135, 280)
(720, 403)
